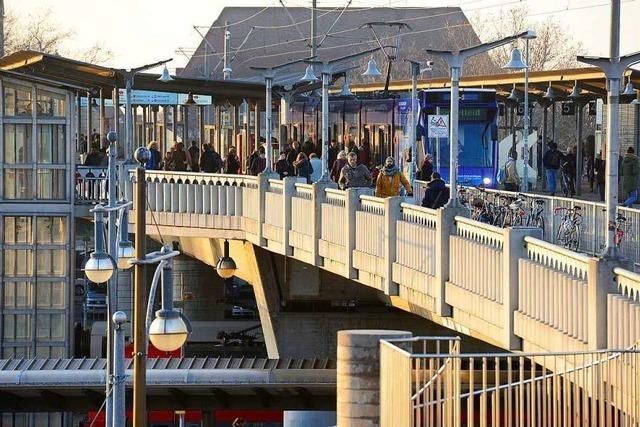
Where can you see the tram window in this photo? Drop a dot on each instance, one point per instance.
(474, 147)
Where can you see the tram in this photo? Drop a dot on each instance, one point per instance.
(477, 134)
(380, 125)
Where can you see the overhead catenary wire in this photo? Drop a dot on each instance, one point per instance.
(338, 34)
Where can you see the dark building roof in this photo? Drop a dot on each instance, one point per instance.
(267, 37)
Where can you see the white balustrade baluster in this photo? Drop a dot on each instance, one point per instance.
(190, 198)
(175, 197)
(198, 197)
(215, 203)
(206, 198)
(222, 201)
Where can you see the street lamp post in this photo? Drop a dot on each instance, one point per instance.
(269, 74)
(455, 61)
(516, 63)
(327, 69)
(169, 330)
(119, 406)
(613, 68)
(415, 114)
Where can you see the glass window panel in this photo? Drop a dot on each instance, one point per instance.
(57, 327)
(51, 230)
(18, 184)
(9, 327)
(21, 420)
(17, 295)
(17, 229)
(41, 419)
(50, 327)
(17, 101)
(51, 262)
(57, 352)
(23, 326)
(51, 104)
(17, 147)
(18, 262)
(43, 327)
(50, 294)
(51, 144)
(51, 184)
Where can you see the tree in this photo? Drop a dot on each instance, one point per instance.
(41, 32)
(552, 49)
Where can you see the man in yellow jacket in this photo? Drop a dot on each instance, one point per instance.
(389, 180)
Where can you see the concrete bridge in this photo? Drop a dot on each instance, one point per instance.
(504, 286)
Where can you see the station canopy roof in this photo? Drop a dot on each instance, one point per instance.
(82, 74)
(589, 79)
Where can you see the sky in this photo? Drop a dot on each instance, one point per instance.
(145, 31)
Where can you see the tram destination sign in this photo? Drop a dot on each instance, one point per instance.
(469, 114)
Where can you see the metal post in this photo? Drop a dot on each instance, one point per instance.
(154, 134)
(140, 288)
(79, 142)
(115, 97)
(524, 187)
(112, 285)
(119, 393)
(256, 123)
(453, 137)
(145, 122)
(545, 132)
(226, 74)
(268, 125)
(102, 118)
(579, 146)
(314, 47)
(175, 123)
(326, 77)
(413, 167)
(201, 125)
(553, 121)
(89, 121)
(128, 110)
(185, 126)
(165, 131)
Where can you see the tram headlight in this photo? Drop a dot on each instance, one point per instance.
(486, 181)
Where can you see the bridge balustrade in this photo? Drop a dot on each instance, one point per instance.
(554, 301)
(504, 285)
(623, 310)
(91, 185)
(483, 278)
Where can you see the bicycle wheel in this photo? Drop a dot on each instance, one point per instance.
(574, 238)
(517, 220)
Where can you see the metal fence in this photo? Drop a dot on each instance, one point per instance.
(450, 389)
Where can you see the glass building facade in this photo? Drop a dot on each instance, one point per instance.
(36, 227)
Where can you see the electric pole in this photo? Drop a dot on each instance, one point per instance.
(313, 28)
(1, 28)
(226, 70)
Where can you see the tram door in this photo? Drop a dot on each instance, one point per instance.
(380, 144)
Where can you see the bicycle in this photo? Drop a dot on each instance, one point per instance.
(514, 213)
(620, 226)
(534, 216)
(567, 181)
(569, 229)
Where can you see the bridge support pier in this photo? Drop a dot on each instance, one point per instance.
(358, 376)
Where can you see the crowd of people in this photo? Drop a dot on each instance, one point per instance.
(350, 167)
(561, 167)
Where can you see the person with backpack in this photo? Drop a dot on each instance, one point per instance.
(194, 153)
(232, 162)
(551, 162)
(511, 177)
(437, 193)
(354, 174)
(210, 161)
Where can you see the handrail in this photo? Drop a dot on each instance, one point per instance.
(540, 251)
(630, 283)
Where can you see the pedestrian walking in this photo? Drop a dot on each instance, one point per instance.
(551, 162)
(194, 153)
(511, 177)
(436, 194)
(155, 158)
(292, 152)
(340, 163)
(332, 153)
(316, 166)
(354, 175)
(302, 167)
(283, 168)
(630, 176)
(426, 168)
(94, 158)
(232, 162)
(258, 162)
(210, 160)
(599, 167)
(389, 180)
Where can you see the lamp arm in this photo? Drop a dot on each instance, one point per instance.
(152, 297)
(475, 50)
(352, 56)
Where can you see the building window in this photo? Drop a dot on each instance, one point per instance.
(17, 143)
(18, 183)
(51, 144)
(51, 184)
(34, 286)
(51, 104)
(17, 101)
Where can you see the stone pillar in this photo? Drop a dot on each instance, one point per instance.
(197, 288)
(358, 376)
(309, 418)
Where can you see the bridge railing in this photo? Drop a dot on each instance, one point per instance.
(453, 389)
(553, 307)
(624, 310)
(369, 258)
(91, 184)
(483, 277)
